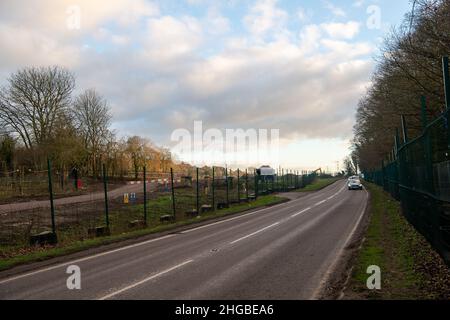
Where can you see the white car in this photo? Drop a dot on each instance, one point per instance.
(354, 184)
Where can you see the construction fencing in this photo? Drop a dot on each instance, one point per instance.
(67, 208)
(418, 174)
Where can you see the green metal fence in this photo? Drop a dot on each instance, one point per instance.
(418, 175)
(114, 207)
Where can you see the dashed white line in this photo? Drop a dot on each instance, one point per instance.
(115, 293)
(299, 213)
(284, 220)
(320, 202)
(158, 239)
(256, 232)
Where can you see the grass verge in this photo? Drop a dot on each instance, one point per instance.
(319, 184)
(45, 253)
(410, 268)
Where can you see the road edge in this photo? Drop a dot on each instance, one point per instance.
(338, 274)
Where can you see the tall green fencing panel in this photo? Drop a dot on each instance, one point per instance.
(419, 177)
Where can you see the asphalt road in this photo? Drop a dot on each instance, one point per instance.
(283, 252)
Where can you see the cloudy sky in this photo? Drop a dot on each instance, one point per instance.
(296, 66)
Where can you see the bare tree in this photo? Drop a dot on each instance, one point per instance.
(350, 168)
(409, 68)
(136, 147)
(166, 159)
(92, 118)
(33, 100)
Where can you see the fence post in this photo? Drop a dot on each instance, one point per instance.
(228, 187)
(76, 179)
(213, 190)
(399, 160)
(288, 179)
(50, 190)
(246, 183)
(445, 71)
(277, 174)
(145, 195)
(285, 180)
(397, 141)
(291, 179)
(256, 185)
(447, 94)
(273, 184)
(173, 194)
(197, 200)
(238, 187)
(282, 180)
(427, 146)
(105, 189)
(404, 129)
(423, 101)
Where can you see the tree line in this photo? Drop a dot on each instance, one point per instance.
(409, 67)
(40, 117)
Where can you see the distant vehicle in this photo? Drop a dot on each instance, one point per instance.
(266, 171)
(354, 183)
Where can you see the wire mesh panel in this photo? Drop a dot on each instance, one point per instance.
(420, 178)
(160, 194)
(88, 207)
(221, 188)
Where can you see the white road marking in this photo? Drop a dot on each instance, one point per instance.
(320, 202)
(84, 259)
(226, 220)
(249, 214)
(299, 213)
(145, 280)
(256, 232)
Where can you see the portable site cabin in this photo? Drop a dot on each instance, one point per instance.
(266, 173)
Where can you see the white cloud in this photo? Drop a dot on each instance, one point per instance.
(264, 17)
(216, 24)
(358, 3)
(21, 46)
(304, 15)
(337, 11)
(51, 16)
(309, 38)
(342, 30)
(170, 38)
(157, 70)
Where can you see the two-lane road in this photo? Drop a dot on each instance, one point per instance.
(282, 252)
